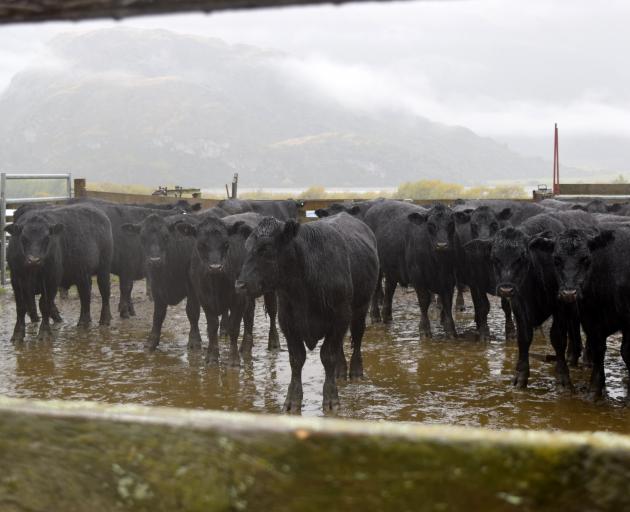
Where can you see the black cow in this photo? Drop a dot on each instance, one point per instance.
(59, 247)
(284, 209)
(217, 259)
(167, 256)
(482, 223)
(324, 273)
(356, 208)
(525, 277)
(416, 247)
(593, 271)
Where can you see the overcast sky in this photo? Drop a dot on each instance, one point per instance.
(499, 67)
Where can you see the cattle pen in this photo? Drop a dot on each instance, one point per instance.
(139, 457)
(75, 437)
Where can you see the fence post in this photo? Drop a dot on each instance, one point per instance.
(3, 219)
(79, 187)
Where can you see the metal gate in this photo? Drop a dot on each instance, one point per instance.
(23, 200)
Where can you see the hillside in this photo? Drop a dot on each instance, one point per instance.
(153, 107)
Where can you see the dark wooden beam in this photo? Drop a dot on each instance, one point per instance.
(12, 11)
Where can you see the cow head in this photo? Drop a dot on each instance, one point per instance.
(485, 222)
(572, 253)
(264, 248)
(155, 235)
(35, 237)
(511, 260)
(440, 225)
(336, 208)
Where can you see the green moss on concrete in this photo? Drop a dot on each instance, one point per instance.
(74, 457)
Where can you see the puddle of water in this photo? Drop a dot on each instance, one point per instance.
(463, 382)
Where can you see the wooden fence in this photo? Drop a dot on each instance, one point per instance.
(78, 456)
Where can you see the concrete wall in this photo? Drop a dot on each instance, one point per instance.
(71, 456)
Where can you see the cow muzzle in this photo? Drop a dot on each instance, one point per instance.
(505, 291)
(240, 287)
(154, 261)
(33, 261)
(441, 246)
(215, 268)
(568, 295)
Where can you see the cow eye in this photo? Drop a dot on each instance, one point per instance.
(585, 260)
(557, 262)
(494, 226)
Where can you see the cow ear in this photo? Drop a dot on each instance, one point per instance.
(542, 242)
(478, 247)
(615, 207)
(462, 217)
(13, 229)
(417, 218)
(195, 207)
(601, 240)
(321, 213)
(245, 231)
(186, 229)
(578, 207)
(56, 229)
(505, 214)
(354, 210)
(131, 229)
(233, 229)
(291, 228)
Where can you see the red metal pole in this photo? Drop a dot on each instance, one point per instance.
(556, 163)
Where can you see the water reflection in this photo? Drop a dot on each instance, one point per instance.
(440, 380)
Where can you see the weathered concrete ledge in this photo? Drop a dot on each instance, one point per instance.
(76, 456)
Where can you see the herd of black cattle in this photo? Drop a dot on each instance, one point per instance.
(568, 261)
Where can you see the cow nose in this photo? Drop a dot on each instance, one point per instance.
(33, 260)
(568, 295)
(240, 287)
(505, 291)
(215, 267)
(440, 246)
(154, 260)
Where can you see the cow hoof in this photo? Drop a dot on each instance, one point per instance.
(234, 361)
(34, 318)
(18, 337)
(273, 341)
(194, 345)
(520, 381)
(106, 321)
(151, 343)
(212, 359)
(44, 335)
(376, 319)
(563, 382)
(292, 406)
(124, 314)
(331, 404)
(356, 373)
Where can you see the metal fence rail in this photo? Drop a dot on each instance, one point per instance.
(4, 177)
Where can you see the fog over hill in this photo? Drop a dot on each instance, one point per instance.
(154, 107)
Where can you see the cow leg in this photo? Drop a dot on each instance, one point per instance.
(459, 300)
(224, 326)
(377, 298)
(341, 371)
(297, 356)
(21, 305)
(625, 354)
(236, 315)
(84, 287)
(126, 285)
(524, 335)
(159, 313)
(482, 308)
(29, 299)
(54, 314)
(357, 328)
(558, 336)
(271, 307)
(424, 301)
(446, 297)
(193, 311)
(575, 338)
(247, 344)
(212, 354)
(104, 288)
(390, 288)
(510, 329)
(329, 355)
(598, 377)
(148, 290)
(46, 301)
